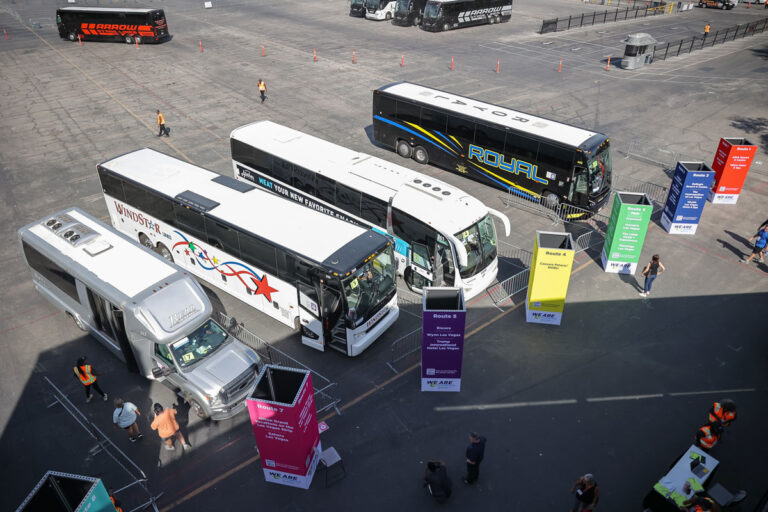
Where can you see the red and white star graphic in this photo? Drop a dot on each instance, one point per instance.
(263, 288)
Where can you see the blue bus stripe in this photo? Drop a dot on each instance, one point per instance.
(396, 125)
(447, 139)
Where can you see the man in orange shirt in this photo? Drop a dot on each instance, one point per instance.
(167, 427)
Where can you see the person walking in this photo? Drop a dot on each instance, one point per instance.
(161, 124)
(475, 452)
(88, 377)
(706, 30)
(436, 480)
(262, 89)
(125, 416)
(651, 272)
(586, 494)
(708, 436)
(761, 240)
(167, 427)
(723, 412)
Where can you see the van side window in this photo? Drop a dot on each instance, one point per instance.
(164, 353)
(58, 277)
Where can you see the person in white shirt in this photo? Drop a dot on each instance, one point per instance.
(125, 416)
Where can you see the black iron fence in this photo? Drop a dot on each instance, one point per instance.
(650, 8)
(673, 49)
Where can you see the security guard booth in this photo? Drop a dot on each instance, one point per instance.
(638, 50)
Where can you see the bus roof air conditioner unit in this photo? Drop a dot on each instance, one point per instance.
(59, 222)
(78, 234)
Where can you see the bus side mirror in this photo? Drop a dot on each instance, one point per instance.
(158, 372)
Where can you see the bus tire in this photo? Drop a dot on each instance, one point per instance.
(128, 39)
(420, 155)
(78, 322)
(72, 36)
(550, 200)
(163, 251)
(416, 21)
(492, 20)
(145, 241)
(388, 16)
(446, 27)
(403, 149)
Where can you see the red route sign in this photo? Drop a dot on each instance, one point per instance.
(731, 164)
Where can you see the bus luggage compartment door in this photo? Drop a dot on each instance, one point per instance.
(310, 324)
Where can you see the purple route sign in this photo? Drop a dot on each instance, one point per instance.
(442, 339)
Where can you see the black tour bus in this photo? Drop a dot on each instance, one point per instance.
(357, 8)
(449, 14)
(534, 158)
(409, 12)
(112, 24)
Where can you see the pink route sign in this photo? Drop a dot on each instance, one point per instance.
(284, 420)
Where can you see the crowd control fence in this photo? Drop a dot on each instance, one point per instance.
(272, 355)
(675, 48)
(636, 10)
(137, 489)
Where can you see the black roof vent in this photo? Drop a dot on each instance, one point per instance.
(232, 183)
(196, 201)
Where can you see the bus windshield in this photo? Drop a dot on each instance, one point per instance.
(431, 10)
(199, 344)
(357, 2)
(375, 4)
(402, 6)
(369, 284)
(599, 170)
(480, 243)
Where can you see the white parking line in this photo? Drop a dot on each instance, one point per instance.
(511, 405)
(626, 397)
(715, 392)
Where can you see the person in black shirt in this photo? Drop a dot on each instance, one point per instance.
(475, 452)
(586, 492)
(436, 480)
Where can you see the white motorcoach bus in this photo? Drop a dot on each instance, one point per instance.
(147, 312)
(333, 279)
(443, 236)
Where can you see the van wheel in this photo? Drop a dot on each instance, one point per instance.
(388, 16)
(403, 149)
(128, 39)
(78, 322)
(420, 155)
(72, 36)
(163, 251)
(145, 241)
(196, 408)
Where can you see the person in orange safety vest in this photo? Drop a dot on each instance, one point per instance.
(723, 412)
(87, 376)
(708, 436)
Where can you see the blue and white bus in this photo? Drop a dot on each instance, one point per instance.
(334, 279)
(444, 236)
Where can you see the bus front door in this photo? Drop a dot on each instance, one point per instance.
(311, 325)
(419, 274)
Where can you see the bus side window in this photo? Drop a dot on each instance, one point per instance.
(348, 199)
(252, 157)
(190, 220)
(553, 157)
(282, 170)
(413, 230)
(489, 138)
(461, 128)
(374, 210)
(222, 236)
(522, 148)
(407, 112)
(303, 180)
(385, 105)
(433, 120)
(57, 276)
(326, 189)
(111, 185)
(258, 253)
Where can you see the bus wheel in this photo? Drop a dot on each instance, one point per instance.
(416, 21)
(78, 322)
(72, 36)
(446, 26)
(492, 20)
(388, 16)
(145, 241)
(403, 149)
(550, 200)
(128, 39)
(420, 155)
(163, 251)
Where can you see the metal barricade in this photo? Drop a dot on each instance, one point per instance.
(533, 205)
(656, 193)
(403, 347)
(651, 8)
(104, 444)
(687, 45)
(500, 293)
(272, 355)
